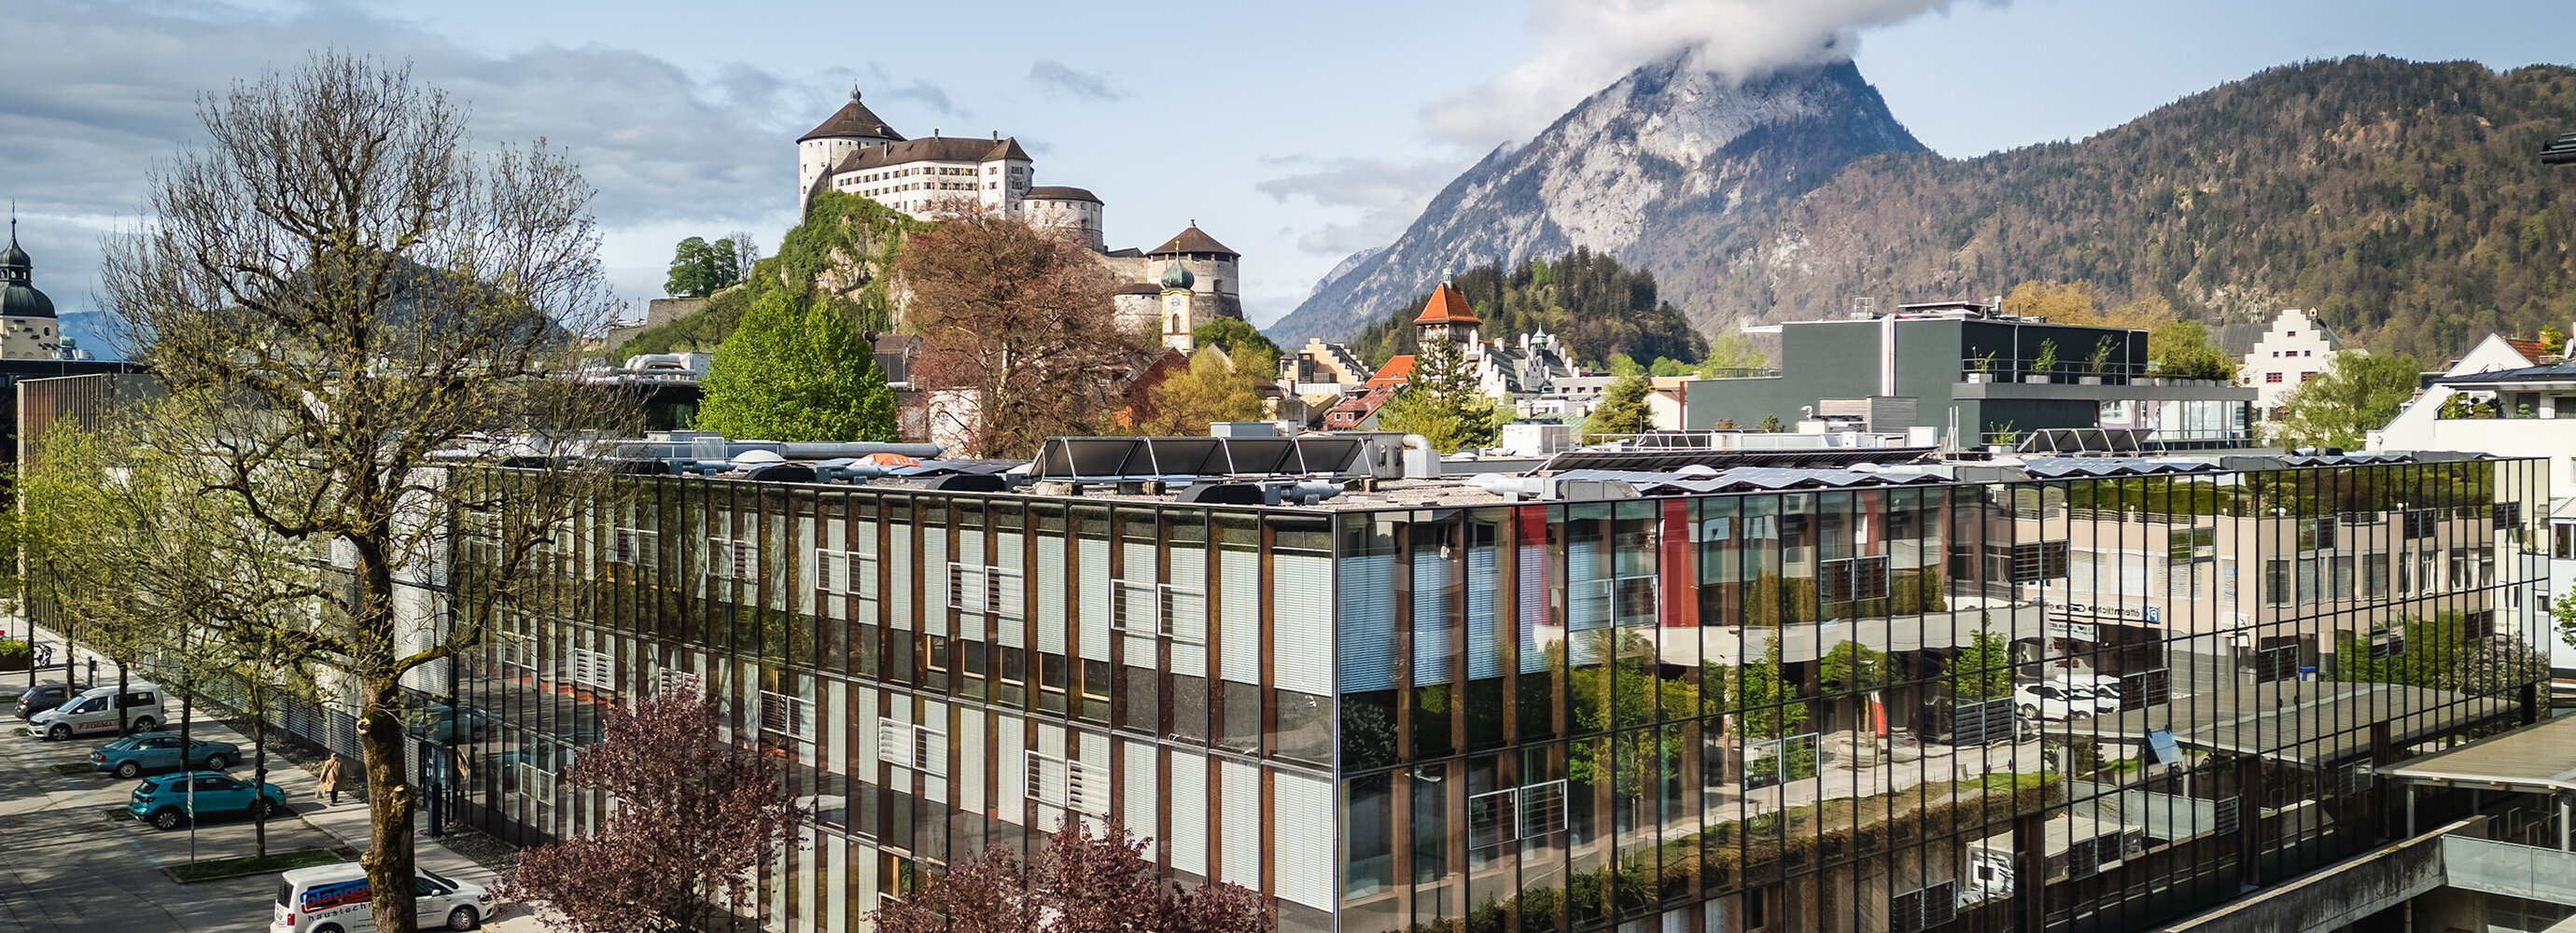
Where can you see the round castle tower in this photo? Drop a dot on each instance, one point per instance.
(852, 127)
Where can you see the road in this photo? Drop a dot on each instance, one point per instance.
(65, 866)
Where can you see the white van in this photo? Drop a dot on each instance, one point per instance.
(90, 712)
(334, 899)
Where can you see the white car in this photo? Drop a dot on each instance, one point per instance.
(91, 712)
(2061, 701)
(335, 899)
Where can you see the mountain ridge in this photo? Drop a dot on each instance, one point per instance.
(1665, 140)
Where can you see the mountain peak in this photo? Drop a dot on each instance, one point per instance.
(1663, 146)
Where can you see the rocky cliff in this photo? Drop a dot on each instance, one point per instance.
(1664, 150)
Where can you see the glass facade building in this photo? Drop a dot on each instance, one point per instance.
(2066, 695)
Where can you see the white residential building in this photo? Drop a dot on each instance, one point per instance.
(2292, 351)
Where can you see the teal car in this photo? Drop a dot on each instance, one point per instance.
(165, 802)
(159, 751)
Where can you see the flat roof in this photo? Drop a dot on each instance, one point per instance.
(2539, 758)
(2315, 724)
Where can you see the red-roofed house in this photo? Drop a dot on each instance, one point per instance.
(1394, 373)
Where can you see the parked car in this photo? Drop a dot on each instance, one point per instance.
(90, 713)
(159, 751)
(335, 899)
(2060, 701)
(42, 697)
(166, 801)
(448, 725)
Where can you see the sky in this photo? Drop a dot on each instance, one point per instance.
(1296, 133)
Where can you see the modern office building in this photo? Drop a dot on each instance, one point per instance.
(1651, 691)
(1979, 376)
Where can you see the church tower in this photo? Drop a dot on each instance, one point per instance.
(25, 312)
(1447, 317)
(1177, 319)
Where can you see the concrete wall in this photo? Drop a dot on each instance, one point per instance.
(2336, 896)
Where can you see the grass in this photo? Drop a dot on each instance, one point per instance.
(214, 869)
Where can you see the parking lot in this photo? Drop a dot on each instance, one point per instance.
(66, 865)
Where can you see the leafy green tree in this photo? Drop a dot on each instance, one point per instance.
(1765, 697)
(1731, 353)
(2181, 350)
(839, 255)
(2359, 393)
(1769, 424)
(1234, 334)
(700, 268)
(1622, 410)
(1442, 402)
(1853, 667)
(1983, 669)
(796, 371)
(1217, 387)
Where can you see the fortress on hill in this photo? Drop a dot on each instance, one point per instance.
(1187, 281)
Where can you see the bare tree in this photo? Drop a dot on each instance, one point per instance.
(1022, 321)
(1086, 881)
(350, 297)
(693, 816)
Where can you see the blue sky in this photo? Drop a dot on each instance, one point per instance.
(1293, 132)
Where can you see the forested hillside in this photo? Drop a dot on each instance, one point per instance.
(840, 255)
(1597, 305)
(2402, 200)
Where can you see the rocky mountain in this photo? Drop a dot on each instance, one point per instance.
(1666, 147)
(2403, 201)
(1343, 268)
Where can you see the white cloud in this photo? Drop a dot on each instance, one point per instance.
(1585, 45)
(93, 94)
(1088, 85)
(1386, 195)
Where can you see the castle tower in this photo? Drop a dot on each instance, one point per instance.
(1447, 317)
(1072, 211)
(1216, 291)
(1178, 319)
(26, 313)
(853, 127)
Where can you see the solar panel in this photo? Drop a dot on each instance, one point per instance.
(1110, 458)
(1667, 460)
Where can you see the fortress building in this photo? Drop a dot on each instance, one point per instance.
(1189, 280)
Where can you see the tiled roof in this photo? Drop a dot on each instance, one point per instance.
(1395, 372)
(1447, 306)
(853, 120)
(1060, 193)
(2530, 349)
(1192, 240)
(934, 149)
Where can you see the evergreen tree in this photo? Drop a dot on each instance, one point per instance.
(1442, 402)
(1622, 410)
(797, 371)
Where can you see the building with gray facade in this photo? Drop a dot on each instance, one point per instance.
(1657, 691)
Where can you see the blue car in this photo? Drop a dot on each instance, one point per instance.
(159, 751)
(164, 801)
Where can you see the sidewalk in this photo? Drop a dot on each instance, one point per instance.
(346, 822)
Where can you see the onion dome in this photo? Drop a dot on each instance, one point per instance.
(1176, 278)
(18, 296)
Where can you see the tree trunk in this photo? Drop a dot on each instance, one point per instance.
(389, 805)
(259, 765)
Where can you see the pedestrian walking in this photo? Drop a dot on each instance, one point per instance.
(330, 780)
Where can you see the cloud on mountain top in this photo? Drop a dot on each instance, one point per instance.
(1585, 45)
(1387, 195)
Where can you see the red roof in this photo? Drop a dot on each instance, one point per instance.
(2530, 349)
(1447, 306)
(1395, 372)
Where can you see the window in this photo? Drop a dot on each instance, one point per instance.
(787, 715)
(2038, 561)
(2186, 545)
(1501, 816)
(1852, 578)
(2278, 660)
(2478, 625)
(985, 589)
(1069, 784)
(1147, 609)
(2420, 523)
(733, 560)
(920, 748)
(2386, 641)
(592, 668)
(2308, 377)
(2276, 583)
(2271, 377)
(1915, 911)
(636, 547)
